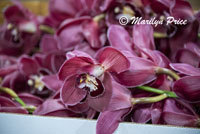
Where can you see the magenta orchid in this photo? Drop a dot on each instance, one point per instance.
(86, 79)
(20, 33)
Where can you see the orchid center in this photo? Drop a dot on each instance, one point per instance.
(90, 83)
(36, 82)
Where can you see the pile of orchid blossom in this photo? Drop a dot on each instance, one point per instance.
(80, 62)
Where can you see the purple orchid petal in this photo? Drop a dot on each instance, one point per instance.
(72, 66)
(48, 44)
(173, 114)
(156, 112)
(113, 60)
(91, 113)
(141, 72)
(159, 6)
(63, 113)
(85, 47)
(182, 9)
(6, 102)
(7, 65)
(70, 93)
(91, 32)
(157, 57)
(7, 105)
(18, 82)
(142, 114)
(52, 82)
(187, 56)
(80, 107)
(121, 97)
(143, 37)
(108, 121)
(8, 70)
(49, 106)
(70, 33)
(30, 99)
(13, 110)
(28, 66)
(119, 38)
(14, 14)
(185, 69)
(77, 53)
(62, 9)
(188, 88)
(57, 60)
(193, 47)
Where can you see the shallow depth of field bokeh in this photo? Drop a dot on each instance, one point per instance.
(40, 7)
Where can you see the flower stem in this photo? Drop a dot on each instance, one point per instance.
(159, 35)
(166, 71)
(47, 29)
(198, 35)
(15, 97)
(30, 109)
(145, 100)
(157, 91)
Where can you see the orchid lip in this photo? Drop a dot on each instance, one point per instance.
(90, 83)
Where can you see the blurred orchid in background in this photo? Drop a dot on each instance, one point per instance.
(79, 61)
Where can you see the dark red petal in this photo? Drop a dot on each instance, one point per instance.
(175, 113)
(13, 110)
(113, 60)
(143, 37)
(182, 10)
(30, 99)
(91, 32)
(70, 33)
(72, 66)
(188, 88)
(70, 94)
(141, 72)
(77, 53)
(188, 57)
(48, 44)
(142, 114)
(119, 38)
(80, 107)
(14, 14)
(108, 121)
(156, 112)
(6, 102)
(121, 97)
(28, 66)
(52, 82)
(50, 105)
(185, 69)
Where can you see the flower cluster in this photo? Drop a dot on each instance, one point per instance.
(80, 62)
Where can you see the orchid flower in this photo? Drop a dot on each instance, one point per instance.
(85, 78)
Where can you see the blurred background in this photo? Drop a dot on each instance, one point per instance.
(40, 7)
